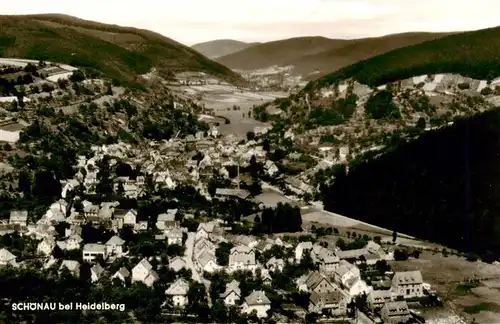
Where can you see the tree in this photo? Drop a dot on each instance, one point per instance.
(381, 106)
(266, 146)
(341, 244)
(250, 135)
(77, 76)
(421, 123)
(222, 253)
(394, 237)
(400, 255)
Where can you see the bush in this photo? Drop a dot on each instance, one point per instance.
(381, 106)
(486, 91)
(463, 86)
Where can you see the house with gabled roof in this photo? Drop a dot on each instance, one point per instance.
(266, 277)
(408, 284)
(122, 274)
(7, 258)
(174, 236)
(46, 246)
(178, 293)
(130, 218)
(242, 258)
(395, 312)
(326, 259)
(202, 245)
(143, 272)
(166, 221)
(73, 242)
(377, 298)
(232, 294)
(204, 230)
(345, 272)
(91, 212)
(207, 261)
(72, 266)
(177, 263)
(114, 247)
(257, 301)
(246, 240)
(18, 217)
(334, 302)
(301, 248)
(141, 226)
(319, 283)
(275, 264)
(96, 272)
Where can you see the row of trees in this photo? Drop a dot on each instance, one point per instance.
(284, 218)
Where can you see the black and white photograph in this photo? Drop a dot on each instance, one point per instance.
(265, 161)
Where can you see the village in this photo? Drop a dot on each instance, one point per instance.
(212, 218)
(352, 282)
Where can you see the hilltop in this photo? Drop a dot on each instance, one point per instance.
(310, 54)
(118, 52)
(221, 47)
(469, 53)
(442, 187)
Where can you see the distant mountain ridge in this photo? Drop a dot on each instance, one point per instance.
(121, 53)
(310, 54)
(221, 47)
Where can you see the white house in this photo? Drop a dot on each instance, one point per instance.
(141, 226)
(144, 273)
(114, 246)
(301, 248)
(121, 274)
(73, 242)
(241, 258)
(96, 272)
(73, 267)
(207, 262)
(232, 294)
(408, 284)
(167, 220)
(377, 298)
(275, 264)
(92, 251)
(130, 218)
(204, 230)
(345, 272)
(7, 258)
(177, 263)
(18, 217)
(46, 246)
(178, 292)
(256, 301)
(174, 236)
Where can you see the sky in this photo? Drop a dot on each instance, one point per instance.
(194, 21)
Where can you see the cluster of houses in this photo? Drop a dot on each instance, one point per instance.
(335, 284)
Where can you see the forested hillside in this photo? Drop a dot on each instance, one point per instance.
(474, 54)
(121, 53)
(443, 187)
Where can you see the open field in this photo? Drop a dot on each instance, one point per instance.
(222, 99)
(480, 301)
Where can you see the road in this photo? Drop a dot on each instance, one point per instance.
(189, 263)
(189, 257)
